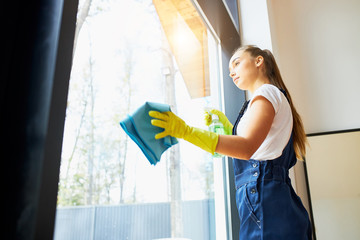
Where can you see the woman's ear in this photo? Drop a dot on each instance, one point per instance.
(259, 60)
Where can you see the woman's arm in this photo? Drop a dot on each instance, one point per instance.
(243, 146)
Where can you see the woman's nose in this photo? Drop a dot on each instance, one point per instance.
(232, 74)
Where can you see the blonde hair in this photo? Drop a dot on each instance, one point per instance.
(272, 72)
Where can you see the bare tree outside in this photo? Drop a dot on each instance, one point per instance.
(173, 156)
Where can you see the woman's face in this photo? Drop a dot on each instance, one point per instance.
(243, 70)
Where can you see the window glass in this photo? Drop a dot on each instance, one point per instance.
(127, 53)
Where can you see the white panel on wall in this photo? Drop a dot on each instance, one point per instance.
(254, 23)
(317, 45)
(333, 164)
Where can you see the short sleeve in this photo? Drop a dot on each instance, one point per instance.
(271, 93)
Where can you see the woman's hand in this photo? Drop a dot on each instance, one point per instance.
(176, 127)
(222, 118)
(172, 124)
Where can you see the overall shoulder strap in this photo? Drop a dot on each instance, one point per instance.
(284, 92)
(241, 113)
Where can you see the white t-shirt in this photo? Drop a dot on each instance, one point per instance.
(281, 128)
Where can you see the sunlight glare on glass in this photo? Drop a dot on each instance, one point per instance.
(184, 38)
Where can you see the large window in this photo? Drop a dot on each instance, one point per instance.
(127, 53)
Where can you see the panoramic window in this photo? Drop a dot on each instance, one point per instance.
(127, 53)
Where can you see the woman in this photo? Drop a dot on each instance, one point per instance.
(266, 140)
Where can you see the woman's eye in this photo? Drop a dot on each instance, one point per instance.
(237, 63)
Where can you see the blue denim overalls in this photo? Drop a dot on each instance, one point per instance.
(269, 209)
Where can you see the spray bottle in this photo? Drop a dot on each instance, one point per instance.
(217, 127)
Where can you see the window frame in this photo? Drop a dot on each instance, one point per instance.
(220, 22)
(47, 198)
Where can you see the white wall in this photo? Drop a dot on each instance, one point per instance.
(317, 45)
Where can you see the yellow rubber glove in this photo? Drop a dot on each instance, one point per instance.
(176, 127)
(222, 118)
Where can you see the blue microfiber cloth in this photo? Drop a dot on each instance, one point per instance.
(139, 128)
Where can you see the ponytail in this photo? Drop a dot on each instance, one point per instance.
(272, 72)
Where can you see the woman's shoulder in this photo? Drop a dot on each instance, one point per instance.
(271, 93)
(267, 89)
